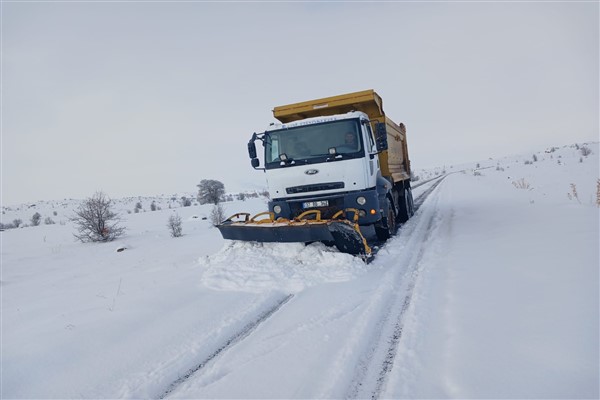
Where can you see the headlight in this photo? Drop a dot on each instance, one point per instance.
(277, 209)
(361, 200)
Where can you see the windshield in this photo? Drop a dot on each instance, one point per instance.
(311, 143)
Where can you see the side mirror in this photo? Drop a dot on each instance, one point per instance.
(252, 149)
(381, 136)
(255, 163)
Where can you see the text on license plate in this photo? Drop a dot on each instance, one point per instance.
(313, 204)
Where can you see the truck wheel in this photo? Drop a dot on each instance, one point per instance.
(388, 227)
(411, 208)
(405, 206)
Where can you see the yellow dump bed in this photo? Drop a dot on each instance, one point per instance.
(395, 164)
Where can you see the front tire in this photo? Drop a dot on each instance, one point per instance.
(388, 227)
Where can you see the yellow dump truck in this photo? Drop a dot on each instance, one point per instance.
(333, 165)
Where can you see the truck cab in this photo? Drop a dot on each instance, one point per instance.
(328, 163)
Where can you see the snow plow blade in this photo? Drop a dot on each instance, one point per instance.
(340, 231)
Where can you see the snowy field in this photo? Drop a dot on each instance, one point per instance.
(490, 291)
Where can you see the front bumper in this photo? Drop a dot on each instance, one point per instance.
(370, 211)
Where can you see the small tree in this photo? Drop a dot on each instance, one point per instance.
(36, 219)
(95, 221)
(153, 206)
(217, 215)
(210, 191)
(17, 222)
(174, 225)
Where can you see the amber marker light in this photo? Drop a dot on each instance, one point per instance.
(373, 212)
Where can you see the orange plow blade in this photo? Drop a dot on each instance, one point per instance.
(307, 227)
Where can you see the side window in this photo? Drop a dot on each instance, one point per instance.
(274, 149)
(370, 135)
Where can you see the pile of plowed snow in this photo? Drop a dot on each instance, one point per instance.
(289, 267)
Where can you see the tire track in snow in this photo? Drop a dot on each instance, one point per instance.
(375, 243)
(228, 344)
(377, 361)
(418, 202)
(388, 362)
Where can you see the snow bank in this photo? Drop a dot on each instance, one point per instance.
(288, 267)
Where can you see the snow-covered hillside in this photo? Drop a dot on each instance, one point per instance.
(490, 291)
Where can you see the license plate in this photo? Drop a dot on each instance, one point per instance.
(314, 204)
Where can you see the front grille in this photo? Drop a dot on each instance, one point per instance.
(314, 188)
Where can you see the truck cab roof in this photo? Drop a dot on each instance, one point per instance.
(318, 120)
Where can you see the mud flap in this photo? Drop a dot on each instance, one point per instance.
(343, 233)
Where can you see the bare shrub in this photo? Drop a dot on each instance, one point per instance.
(185, 202)
(175, 225)
(49, 221)
(217, 215)
(17, 222)
(95, 221)
(585, 151)
(36, 219)
(521, 184)
(573, 194)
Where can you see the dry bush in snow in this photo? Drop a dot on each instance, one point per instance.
(217, 215)
(95, 221)
(36, 219)
(174, 225)
(585, 151)
(521, 184)
(573, 194)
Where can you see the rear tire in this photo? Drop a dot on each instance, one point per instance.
(406, 206)
(411, 210)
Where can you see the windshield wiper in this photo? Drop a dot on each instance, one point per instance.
(335, 157)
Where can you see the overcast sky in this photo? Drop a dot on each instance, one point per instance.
(152, 97)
